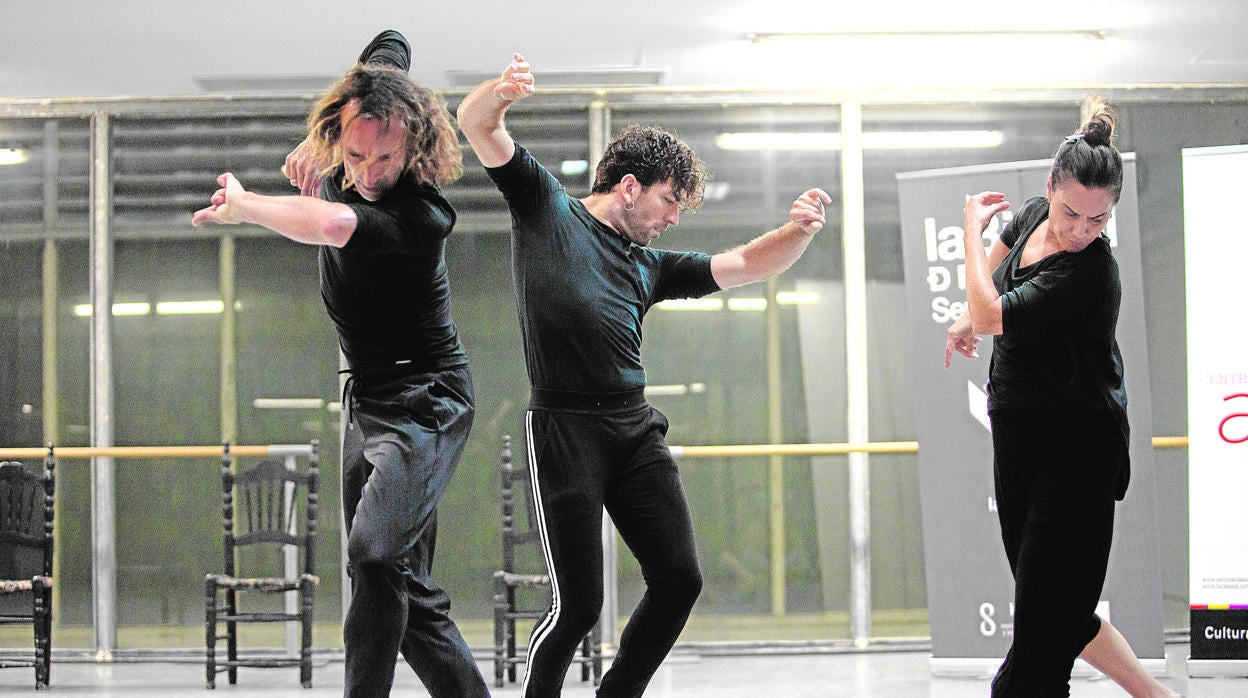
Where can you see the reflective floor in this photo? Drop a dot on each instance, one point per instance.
(883, 674)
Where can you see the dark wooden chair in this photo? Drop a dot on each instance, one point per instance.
(264, 509)
(511, 585)
(27, 508)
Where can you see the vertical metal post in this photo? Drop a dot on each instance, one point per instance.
(103, 519)
(290, 563)
(853, 240)
(229, 350)
(51, 277)
(599, 135)
(775, 469)
(775, 402)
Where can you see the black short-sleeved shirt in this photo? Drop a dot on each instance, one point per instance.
(1057, 348)
(581, 288)
(387, 289)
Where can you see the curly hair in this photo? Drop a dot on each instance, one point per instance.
(653, 155)
(1089, 156)
(381, 92)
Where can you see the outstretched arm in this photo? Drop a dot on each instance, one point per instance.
(481, 113)
(773, 252)
(300, 218)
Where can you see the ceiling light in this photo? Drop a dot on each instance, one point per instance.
(190, 308)
(13, 156)
(746, 304)
(573, 168)
(871, 140)
(676, 389)
(234, 84)
(589, 77)
(797, 297)
(288, 403)
(716, 191)
(692, 304)
(119, 309)
(1090, 34)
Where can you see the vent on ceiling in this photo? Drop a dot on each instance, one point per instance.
(235, 84)
(594, 77)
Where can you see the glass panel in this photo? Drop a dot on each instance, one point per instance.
(167, 367)
(719, 357)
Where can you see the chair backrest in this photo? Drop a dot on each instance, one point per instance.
(27, 509)
(516, 533)
(269, 503)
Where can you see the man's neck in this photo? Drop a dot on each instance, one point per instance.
(602, 207)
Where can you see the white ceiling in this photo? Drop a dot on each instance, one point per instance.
(148, 48)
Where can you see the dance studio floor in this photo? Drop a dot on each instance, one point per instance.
(687, 674)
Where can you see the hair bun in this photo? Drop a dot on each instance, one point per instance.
(1099, 130)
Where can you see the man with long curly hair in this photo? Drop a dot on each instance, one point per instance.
(378, 148)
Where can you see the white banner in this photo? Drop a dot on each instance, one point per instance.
(1216, 248)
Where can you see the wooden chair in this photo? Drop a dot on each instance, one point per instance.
(27, 509)
(265, 509)
(509, 581)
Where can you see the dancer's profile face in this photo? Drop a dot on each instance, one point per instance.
(655, 209)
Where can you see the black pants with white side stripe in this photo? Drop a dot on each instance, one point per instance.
(586, 453)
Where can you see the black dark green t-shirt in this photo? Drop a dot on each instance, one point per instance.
(387, 289)
(1057, 349)
(582, 290)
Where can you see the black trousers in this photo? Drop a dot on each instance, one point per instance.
(1055, 477)
(402, 444)
(582, 461)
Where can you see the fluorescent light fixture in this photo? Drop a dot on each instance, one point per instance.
(692, 304)
(1089, 34)
(13, 156)
(573, 168)
(747, 304)
(797, 297)
(288, 403)
(233, 84)
(716, 191)
(871, 140)
(119, 309)
(676, 389)
(624, 76)
(190, 308)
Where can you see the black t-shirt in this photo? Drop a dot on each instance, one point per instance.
(387, 289)
(582, 290)
(1057, 349)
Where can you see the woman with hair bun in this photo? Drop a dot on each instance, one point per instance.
(1048, 292)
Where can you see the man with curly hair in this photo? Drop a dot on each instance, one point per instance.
(378, 148)
(584, 278)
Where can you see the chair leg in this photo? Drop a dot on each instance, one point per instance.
(595, 649)
(585, 658)
(231, 635)
(500, 628)
(43, 649)
(47, 635)
(210, 633)
(305, 651)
